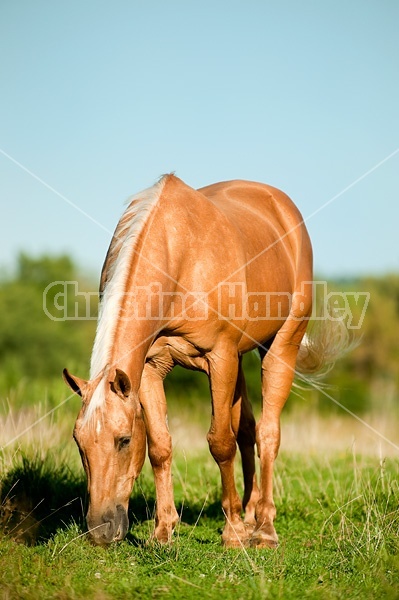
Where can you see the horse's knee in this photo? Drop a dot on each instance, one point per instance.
(160, 450)
(222, 447)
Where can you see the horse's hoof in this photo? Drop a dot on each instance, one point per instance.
(264, 539)
(161, 536)
(249, 528)
(235, 542)
(236, 536)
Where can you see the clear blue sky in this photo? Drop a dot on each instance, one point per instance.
(100, 98)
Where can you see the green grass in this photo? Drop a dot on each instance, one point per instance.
(337, 512)
(337, 519)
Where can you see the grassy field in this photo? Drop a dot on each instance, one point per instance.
(336, 491)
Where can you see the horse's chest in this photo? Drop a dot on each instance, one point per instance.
(176, 350)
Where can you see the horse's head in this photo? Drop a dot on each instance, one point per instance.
(111, 439)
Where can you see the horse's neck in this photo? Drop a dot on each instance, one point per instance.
(151, 267)
(141, 314)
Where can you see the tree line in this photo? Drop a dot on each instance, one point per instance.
(46, 325)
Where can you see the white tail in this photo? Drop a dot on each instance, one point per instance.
(324, 343)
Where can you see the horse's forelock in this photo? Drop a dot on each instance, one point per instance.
(94, 402)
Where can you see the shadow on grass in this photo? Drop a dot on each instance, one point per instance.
(37, 498)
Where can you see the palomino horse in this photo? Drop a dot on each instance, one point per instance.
(195, 278)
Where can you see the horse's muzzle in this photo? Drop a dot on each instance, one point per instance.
(112, 526)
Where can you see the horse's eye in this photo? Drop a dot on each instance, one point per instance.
(123, 442)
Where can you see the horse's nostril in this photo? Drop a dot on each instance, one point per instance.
(105, 530)
(108, 517)
(110, 526)
(101, 533)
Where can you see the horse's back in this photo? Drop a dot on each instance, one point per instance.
(252, 197)
(270, 225)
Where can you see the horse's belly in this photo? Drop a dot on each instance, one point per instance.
(258, 333)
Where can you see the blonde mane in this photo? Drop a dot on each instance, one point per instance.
(114, 277)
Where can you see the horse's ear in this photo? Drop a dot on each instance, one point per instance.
(75, 383)
(121, 384)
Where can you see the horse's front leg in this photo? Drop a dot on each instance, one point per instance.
(223, 369)
(153, 401)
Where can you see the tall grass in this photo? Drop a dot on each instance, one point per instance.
(336, 491)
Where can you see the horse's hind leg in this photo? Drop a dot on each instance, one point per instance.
(223, 370)
(278, 368)
(244, 427)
